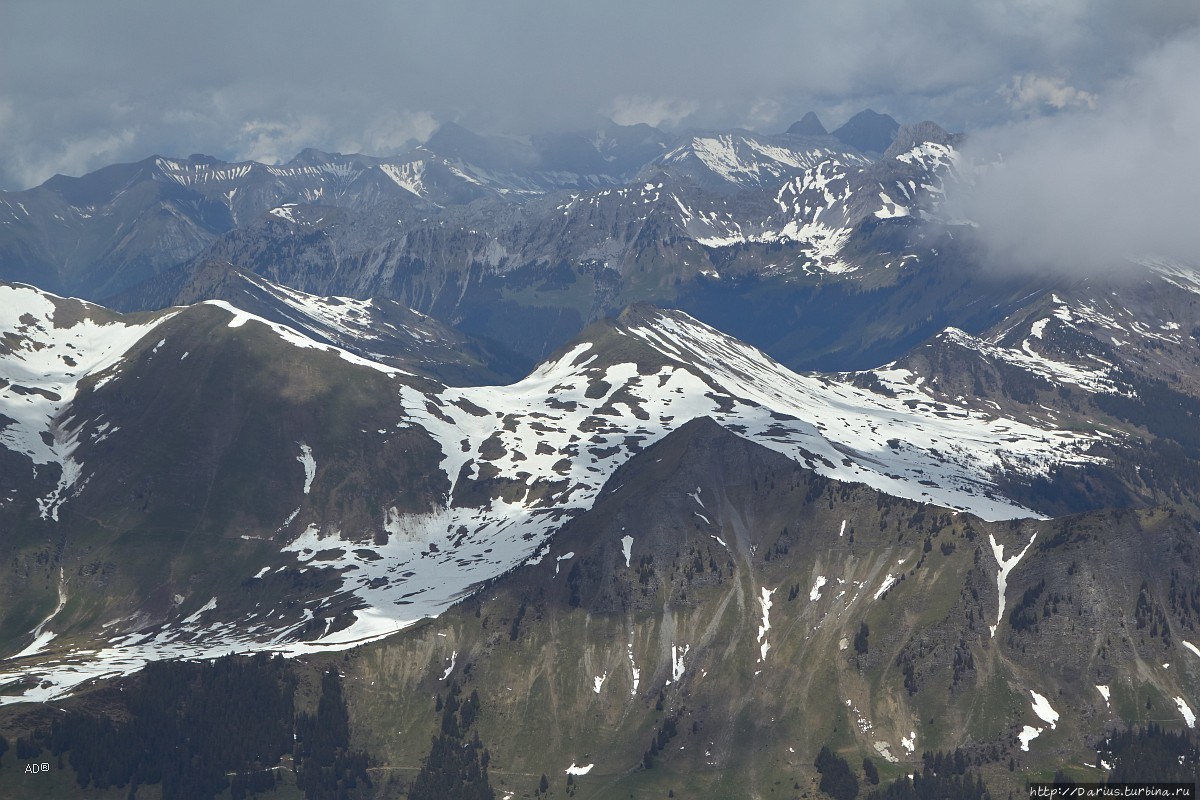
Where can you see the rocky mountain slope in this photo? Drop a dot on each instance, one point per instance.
(411, 420)
(759, 612)
(721, 613)
(374, 494)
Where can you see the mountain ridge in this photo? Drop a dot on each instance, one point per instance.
(490, 472)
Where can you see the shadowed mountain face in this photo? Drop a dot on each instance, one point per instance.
(868, 131)
(808, 125)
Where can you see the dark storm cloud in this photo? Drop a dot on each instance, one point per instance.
(85, 84)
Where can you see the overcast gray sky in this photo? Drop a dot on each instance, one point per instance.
(84, 84)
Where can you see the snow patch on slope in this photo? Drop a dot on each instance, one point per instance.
(1093, 376)
(1043, 709)
(1188, 715)
(765, 602)
(677, 656)
(1002, 575)
(297, 339)
(310, 467)
(409, 176)
(847, 433)
(637, 673)
(43, 363)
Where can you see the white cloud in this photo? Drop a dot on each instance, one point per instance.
(74, 156)
(764, 113)
(276, 141)
(390, 132)
(1030, 92)
(273, 141)
(1087, 189)
(654, 111)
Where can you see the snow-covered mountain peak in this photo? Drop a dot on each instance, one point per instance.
(743, 161)
(818, 207)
